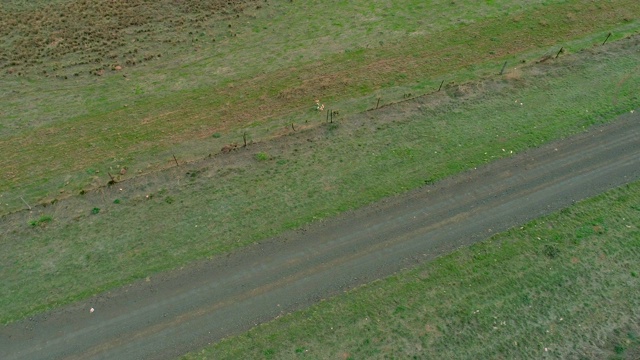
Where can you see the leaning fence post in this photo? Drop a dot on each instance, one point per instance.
(29, 206)
(503, 66)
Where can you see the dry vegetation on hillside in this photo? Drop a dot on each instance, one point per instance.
(104, 35)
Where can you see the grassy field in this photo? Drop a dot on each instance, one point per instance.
(175, 103)
(68, 250)
(564, 286)
(61, 133)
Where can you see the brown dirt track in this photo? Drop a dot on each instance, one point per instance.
(176, 312)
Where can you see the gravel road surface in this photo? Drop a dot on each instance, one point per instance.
(170, 314)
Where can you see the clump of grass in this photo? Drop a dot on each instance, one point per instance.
(42, 221)
(551, 251)
(95, 210)
(262, 156)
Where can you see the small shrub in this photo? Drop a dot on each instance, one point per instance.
(216, 135)
(116, 201)
(95, 210)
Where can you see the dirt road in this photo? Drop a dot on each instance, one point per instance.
(170, 314)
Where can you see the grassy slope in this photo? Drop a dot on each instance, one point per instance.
(78, 254)
(167, 111)
(277, 35)
(563, 286)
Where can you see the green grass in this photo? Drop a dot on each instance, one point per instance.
(41, 221)
(563, 286)
(262, 156)
(288, 36)
(167, 219)
(284, 32)
(174, 104)
(61, 134)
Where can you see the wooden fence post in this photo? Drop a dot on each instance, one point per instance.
(503, 67)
